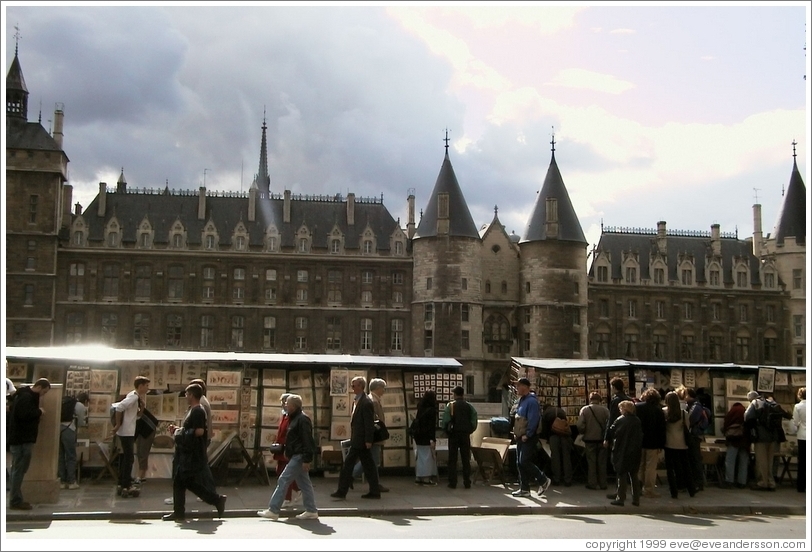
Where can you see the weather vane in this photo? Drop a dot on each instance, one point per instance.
(446, 139)
(16, 38)
(552, 142)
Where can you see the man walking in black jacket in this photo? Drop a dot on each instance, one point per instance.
(459, 422)
(24, 417)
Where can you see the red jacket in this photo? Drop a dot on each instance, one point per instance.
(736, 416)
(281, 435)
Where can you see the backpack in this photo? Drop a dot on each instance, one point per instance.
(702, 424)
(113, 414)
(770, 416)
(68, 409)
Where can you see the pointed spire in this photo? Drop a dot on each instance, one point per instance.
(446, 141)
(263, 179)
(552, 142)
(16, 91)
(792, 217)
(121, 185)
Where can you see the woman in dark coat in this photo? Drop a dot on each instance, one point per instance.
(738, 446)
(625, 435)
(423, 431)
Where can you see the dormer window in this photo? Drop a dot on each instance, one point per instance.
(79, 238)
(112, 239)
(177, 241)
(631, 275)
(144, 239)
(303, 245)
(210, 242)
(335, 246)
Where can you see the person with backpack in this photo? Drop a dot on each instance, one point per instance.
(592, 425)
(526, 430)
(127, 412)
(459, 422)
(763, 417)
(24, 416)
(698, 422)
(72, 417)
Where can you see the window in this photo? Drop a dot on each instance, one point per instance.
(174, 285)
(144, 241)
(798, 324)
(659, 276)
(742, 348)
(174, 330)
(504, 287)
(334, 286)
(301, 323)
(143, 282)
(576, 317)
(658, 342)
(631, 275)
(270, 294)
(335, 246)
(270, 287)
(428, 283)
(238, 284)
(333, 333)
(300, 342)
(110, 281)
(741, 278)
(769, 280)
(270, 275)
(688, 311)
(797, 278)
(368, 249)
(76, 280)
(714, 278)
(660, 307)
(272, 243)
(32, 208)
(717, 311)
(79, 238)
(237, 332)
(301, 295)
(301, 276)
(366, 334)
(527, 316)
(397, 278)
(687, 277)
(396, 343)
(75, 327)
(209, 242)
(177, 241)
(686, 348)
(602, 344)
(632, 306)
(465, 342)
(631, 345)
(769, 349)
(397, 297)
(206, 331)
(239, 274)
(239, 243)
(464, 312)
(428, 343)
(603, 274)
(743, 313)
(141, 330)
(603, 308)
(526, 341)
(108, 329)
(300, 339)
(464, 284)
(366, 296)
(28, 295)
(367, 276)
(112, 239)
(428, 312)
(398, 248)
(527, 287)
(769, 313)
(302, 245)
(269, 332)
(208, 283)
(487, 286)
(715, 347)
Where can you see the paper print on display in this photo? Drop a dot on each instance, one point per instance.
(321, 380)
(339, 430)
(54, 374)
(271, 415)
(689, 378)
(169, 407)
(193, 370)
(341, 406)
(358, 374)
(99, 429)
(719, 406)
(397, 438)
(339, 382)
(781, 379)
(676, 378)
(393, 378)
(766, 379)
(224, 416)
(77, 381)
(98, 405)
(392, 398)
(395, 418)
(300, 379)
(104, 381)
(719, 386)
(307, 397)
(223, 378)
(395, 457)
(254, 398)
(222, 396)
(155, 404)
(253, 374)
(17, 371)
(274, 378)
(272, 396)
(798, 379)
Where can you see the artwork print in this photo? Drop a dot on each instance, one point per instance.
(104, 381)
(17, 371)
(339, 430)
(737, 388)
(223, 378)
(341, 406)
(54, 374)
(766, 379)
(339, 382)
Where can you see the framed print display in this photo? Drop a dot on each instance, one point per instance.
(766, 379)
(224, 416)
(193, 370)
(169, 408)
(392, 398)
(719, 406)
(798, 379)
(104, 381)
(274, 378)
(17, 371)
(155, 404)
(222, 396)
(395, 457)
(223, 378)
(267, 437)
(307, 398)
(321, 380)
(737, 388)
(719, 386)
(300, 379)
(781, 379)
(98, 405)
(341, 406)
(271, 415)
(396, 418)
(77, 381)
(676, 378)
(54, 374)
(340, 430)
(272, 396)
(339, 382)
(397, 438)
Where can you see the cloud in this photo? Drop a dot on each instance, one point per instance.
(590, 80)
(622, 31)
(707, 58)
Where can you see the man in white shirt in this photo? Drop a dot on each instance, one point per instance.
(127, 412)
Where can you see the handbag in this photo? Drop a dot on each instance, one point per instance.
(561, 427)
(146, 424)
(734, 431)
(277, 448)
(380, 433)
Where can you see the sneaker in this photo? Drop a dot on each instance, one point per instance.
(308, 515)
(137, 481)
(520, 492)
(616, 502)
(169, 501)
(544, 486)
(72, 486)
(430, 483)
(267, 514)
(63, 485)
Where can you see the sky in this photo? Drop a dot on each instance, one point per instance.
(680, 112)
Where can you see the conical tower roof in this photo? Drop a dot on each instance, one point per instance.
(263, 179)
(792, 217)
(16, 91)
(569, 228)
(460, 221)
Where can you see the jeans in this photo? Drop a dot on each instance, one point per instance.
(280, 467)
(125, 461)
(377, 449)
(596, 464)
(528, 470)
(67, 455)
(696, 468)
(294, 472)
(21, 459)
(736, 457)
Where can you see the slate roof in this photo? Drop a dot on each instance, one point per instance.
(460, 221)
(645, 244)
(21, 134)
(569, 227)
(792, 217)
(14, 78)
(163, 209)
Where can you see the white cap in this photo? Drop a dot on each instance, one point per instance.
(10, 387)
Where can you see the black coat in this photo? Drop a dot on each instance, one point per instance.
(362, 423)
(426, 418)
(24, 417)
(190, 459)
(652, 418)
(299, 439)
(626, 436)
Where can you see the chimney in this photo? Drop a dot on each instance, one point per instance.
(410, 208)
(201, 204)
(252, 205)
(59, 115)
(102, 198)
(757, 235)
(78, 208)
(716, 243)
(350, 209)
(67, 198)
(286, 207)
(661, 238)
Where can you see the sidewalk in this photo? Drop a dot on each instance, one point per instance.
(97, 500)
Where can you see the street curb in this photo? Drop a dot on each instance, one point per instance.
(776, 510)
